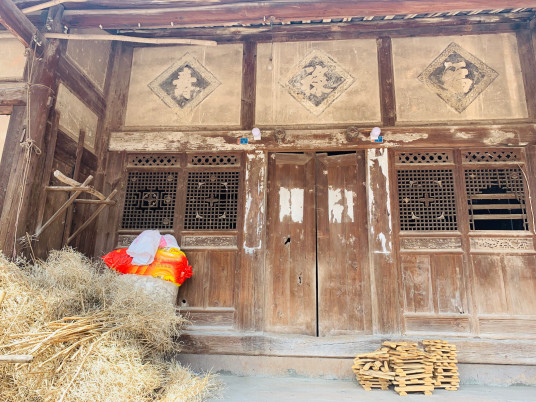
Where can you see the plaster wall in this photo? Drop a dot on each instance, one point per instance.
(4, 124)
(503, 98)
(218, 105)
(277, 63)
(12, 61)
(76, 116)
(91, 57)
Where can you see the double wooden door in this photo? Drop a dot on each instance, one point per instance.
(317, 274)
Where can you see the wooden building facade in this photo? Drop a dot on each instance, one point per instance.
(316, 239)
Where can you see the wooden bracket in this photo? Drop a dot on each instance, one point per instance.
(77, 188)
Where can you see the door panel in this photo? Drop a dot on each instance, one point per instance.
(317, 237)
(290, 294)
(343, 280)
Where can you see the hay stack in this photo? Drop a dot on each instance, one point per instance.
(92, 336)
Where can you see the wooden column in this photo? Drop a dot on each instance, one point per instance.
(249, 85)
(249, 299)
(387, 82)
(528, 66)
(110, 168)
(383, 272)
(25, 170)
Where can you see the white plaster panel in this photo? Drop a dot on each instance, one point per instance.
(220, 108)
(504, 98)
(4, 123)
(358, 103)
(12, 59)
(91, 56)
(76, 116)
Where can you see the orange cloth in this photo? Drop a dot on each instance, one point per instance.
(169, 264)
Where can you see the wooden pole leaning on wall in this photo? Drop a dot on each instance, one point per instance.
(77, 188)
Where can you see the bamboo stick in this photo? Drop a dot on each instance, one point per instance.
(16, 358)
(48, 4)
(133, 39)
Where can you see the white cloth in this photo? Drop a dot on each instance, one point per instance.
(144, 247)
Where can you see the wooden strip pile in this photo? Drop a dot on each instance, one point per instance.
(372, 369)
(445, 368)
(413, 368)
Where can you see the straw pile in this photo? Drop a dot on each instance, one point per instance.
(92, 336)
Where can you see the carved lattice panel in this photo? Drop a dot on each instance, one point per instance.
(150, 200)
(153, 160)
(212, 201)
(425, 157)
(213, 160)
(426, 200)
(507, 155)
(496, 199)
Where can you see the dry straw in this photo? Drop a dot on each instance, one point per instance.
(93, 336)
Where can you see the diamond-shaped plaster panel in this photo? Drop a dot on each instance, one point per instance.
(184, 85)
(316, 81)
(457, 77)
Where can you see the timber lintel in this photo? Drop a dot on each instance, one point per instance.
(324, 139)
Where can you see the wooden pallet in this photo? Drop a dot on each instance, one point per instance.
(445, 359)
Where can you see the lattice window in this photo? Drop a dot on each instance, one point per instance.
(213, 160)
(153, 160)
(212, 200)
(150, 200)
(483, 156)
(405, 158)
(496, 199)
(426, 200)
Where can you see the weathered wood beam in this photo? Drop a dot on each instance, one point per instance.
(249, 85)
(257, 12)
(324, 139)
(387, 81)
(470, 350)
(6, 109)
(464, 24)
(14, 20)
(81, 85)
(528, 67)
(382, 261)
(13, 94)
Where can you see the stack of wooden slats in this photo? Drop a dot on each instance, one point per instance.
(372, 369)
(445, 364)
(413, 368)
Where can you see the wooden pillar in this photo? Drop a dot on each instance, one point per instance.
(21, 195)
(249, 298)
(383, 272)
(110, 167)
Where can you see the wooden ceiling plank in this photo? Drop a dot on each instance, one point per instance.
(14, 20)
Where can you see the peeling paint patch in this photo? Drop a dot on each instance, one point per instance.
(349, 195)
(291, 204)
(406, 137)
(498, 137)
(462, 135)
(335, 206)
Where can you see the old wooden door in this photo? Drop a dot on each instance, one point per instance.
(317, 279)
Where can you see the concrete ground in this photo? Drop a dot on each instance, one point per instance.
(296, 389)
